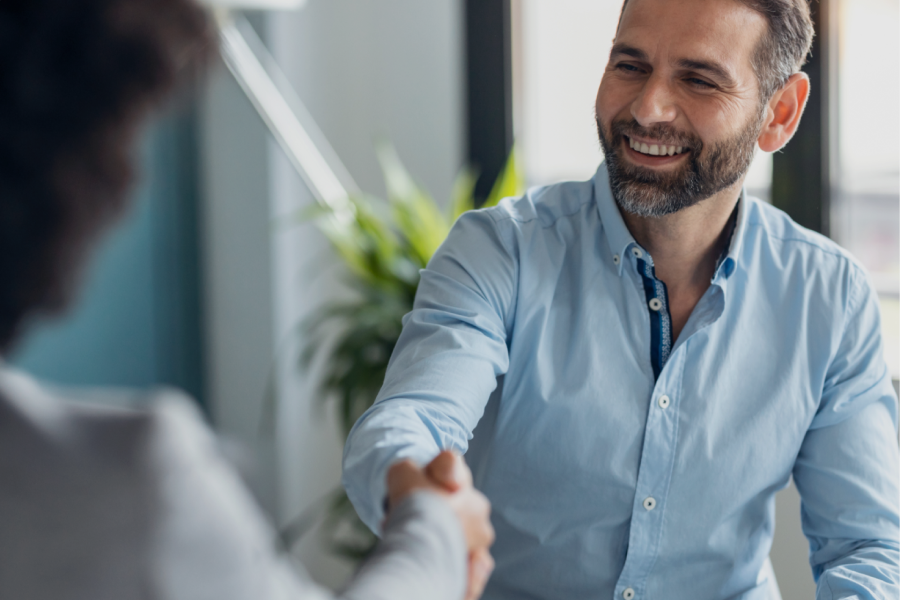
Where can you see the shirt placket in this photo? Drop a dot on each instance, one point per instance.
(660, 436)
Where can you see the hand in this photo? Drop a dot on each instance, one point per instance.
(450, 477)
(450, 471)
(481, 564)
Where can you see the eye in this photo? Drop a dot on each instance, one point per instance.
(628, 68)
(700, 83)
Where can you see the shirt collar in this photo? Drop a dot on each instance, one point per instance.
(728, 262)
(619, 238)
(617, 235)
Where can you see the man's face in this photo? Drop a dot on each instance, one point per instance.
(678, 110)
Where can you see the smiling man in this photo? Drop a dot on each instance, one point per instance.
(669, 351)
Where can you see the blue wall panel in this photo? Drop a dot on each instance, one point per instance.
(137, 321)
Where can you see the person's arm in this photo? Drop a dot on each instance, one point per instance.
(445, 365)
(210, 539)
(421, 555)
(429, 534)
(847, 468)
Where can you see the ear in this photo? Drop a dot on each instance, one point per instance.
(783, 113)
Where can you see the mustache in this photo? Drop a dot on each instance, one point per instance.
(666, 134)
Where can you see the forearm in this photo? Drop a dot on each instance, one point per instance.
(388, 433)
(864, 570)
(444, 367)
(422, 555)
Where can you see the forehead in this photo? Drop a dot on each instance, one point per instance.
(725, 31)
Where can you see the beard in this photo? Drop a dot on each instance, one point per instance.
(708, 170)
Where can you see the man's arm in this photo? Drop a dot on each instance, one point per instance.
(445, 365)
(847, 468)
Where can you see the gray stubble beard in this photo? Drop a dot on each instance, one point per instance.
(643, 192)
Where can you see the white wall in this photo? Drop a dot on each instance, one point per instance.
(237, 270)
(364, 69)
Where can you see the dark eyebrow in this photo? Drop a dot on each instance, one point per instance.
(713, 68)
(636, 53)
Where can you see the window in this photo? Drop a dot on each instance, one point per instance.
(560, 48)
(866, 212)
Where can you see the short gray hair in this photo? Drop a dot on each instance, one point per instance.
(784, 48)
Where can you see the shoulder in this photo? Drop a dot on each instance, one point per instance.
(773, 238)
(75, 449)
(774, 226)
(94, 422)
(141, 491)
(541, 207)
(526, 219)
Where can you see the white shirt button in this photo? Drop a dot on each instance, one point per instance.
(650, 503)
(637, 254)
(664, 401)
(655, 304)
(628, 594)
(615, 259)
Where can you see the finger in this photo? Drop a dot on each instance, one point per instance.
(444, 471)
(483, 536)
(481, 565)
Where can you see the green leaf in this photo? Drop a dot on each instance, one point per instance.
(463, 195)
(417, 216)
(383, 245)
(510, 182)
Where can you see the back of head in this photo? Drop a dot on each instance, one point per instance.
(77, 79)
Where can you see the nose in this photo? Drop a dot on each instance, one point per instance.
(654, 104)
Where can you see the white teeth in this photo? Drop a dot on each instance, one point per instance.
(654, 149)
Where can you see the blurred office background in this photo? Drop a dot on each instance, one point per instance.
(205, 284)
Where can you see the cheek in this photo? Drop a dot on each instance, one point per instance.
(612, 99)
(715, 119)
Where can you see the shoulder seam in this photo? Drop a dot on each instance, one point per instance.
(819, 247)
(508, 217)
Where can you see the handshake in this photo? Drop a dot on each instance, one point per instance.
(449, 476)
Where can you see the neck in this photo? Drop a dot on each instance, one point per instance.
(685, 247)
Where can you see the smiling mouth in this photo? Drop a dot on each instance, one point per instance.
(655, 149)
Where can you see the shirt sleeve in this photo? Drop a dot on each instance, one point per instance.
(211, 541)
(422, 555)
(847, 468)
(452, 349)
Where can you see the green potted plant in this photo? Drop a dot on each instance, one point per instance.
(383, 247)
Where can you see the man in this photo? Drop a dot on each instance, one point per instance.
(111, 503)
(669, 351)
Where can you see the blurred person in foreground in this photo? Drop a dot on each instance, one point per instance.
(116, 504)
(673, 351)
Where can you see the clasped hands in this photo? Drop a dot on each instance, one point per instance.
(449, 476)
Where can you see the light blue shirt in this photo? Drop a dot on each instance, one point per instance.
(606, 481)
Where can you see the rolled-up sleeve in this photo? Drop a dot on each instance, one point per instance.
(847, 468)
(452, 349)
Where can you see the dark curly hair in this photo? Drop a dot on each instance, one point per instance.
(77, 80)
